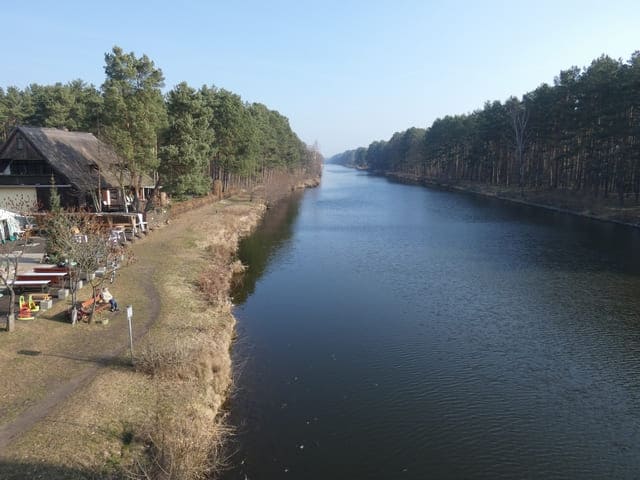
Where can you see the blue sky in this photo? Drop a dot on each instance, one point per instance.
(345, 73)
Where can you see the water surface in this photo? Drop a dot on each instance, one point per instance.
(393, 331)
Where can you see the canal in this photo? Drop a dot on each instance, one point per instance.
(392, 331)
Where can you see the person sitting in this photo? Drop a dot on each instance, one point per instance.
(106, 296)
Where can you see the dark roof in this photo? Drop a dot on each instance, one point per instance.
(79, 156)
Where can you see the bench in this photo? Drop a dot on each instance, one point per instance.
(85, 308)
(86, 305)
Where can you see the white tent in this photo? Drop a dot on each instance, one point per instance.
(9, 225)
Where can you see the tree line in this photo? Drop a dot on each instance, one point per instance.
(188, 136)
(578, 135)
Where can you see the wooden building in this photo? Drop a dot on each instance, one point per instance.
(85, 171)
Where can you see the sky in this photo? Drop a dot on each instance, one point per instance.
(345, 73)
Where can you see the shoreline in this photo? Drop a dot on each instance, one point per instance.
(166, 413)
(607, 214)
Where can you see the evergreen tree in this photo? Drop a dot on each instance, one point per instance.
(188, 143)
(58, 226)
(199, 135)
(579, 135)
(134, 113)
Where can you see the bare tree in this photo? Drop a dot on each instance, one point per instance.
(519, 118)
(11, 253)
(9, 260)
(87, 248)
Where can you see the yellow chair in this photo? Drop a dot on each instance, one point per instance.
(32, 305)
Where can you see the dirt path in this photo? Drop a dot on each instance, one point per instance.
(71, 406)
(63, 390)
(45, 361)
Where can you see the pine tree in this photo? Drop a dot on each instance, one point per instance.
(58, 226)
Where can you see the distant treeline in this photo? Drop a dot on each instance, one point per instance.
(189, 136)
(581, 135)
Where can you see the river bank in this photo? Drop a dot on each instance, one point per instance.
(602, 209)
(162, 418)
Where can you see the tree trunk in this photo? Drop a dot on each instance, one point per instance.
(12, 302)
(93, 305)
(124, 200)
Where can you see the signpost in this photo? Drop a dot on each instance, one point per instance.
(129, 317)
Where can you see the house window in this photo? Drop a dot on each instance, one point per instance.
(20, 144)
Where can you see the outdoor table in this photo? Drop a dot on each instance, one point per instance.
(35, 275)
(24, 284)
(56, 277)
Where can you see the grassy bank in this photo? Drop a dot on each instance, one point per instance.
(157, 420)
(600, 208)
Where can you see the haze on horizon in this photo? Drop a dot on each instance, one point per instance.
(344, 73)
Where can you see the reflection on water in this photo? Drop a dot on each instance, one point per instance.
(399, 332)
(256, 250)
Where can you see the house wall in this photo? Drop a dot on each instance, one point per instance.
(18, 198)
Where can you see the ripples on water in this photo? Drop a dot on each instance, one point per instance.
(401, 332)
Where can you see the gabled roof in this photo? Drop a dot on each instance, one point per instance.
(79, 156)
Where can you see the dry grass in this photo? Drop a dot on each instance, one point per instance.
(189, 359)
(180, 441)
(162, 419)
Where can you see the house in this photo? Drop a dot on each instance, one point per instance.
(86, 171)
